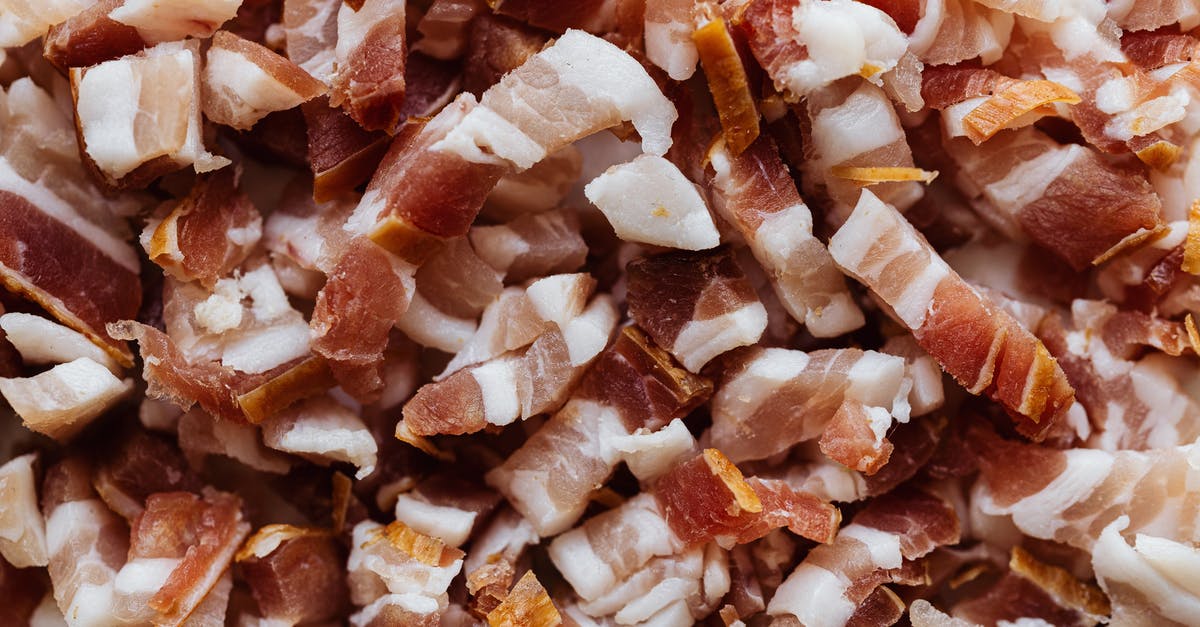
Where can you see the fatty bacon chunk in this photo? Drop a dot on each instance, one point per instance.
(983, 347)
(244, 81)
(369, 58)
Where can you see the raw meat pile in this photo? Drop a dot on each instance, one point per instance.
(599, 312)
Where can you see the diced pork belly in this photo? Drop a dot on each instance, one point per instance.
(22, 527)
(139, 466)
(323, 430)
(157, 21)
(446, 508)
(635, 387)
(496, 554)
(61, 401)
(951, 31)
(495, 45)
(753, 191)
(532, 245)
(697, 305)
(21, 21)
(669, 26)
(452, 289)
(151, 129)
(445, 25)
(244, 81)
(311, 32)
(540, 188)
(368, 77)
(296, 574)
(1033, 590)
(398, 573)
(978, 102)
(1148, 16)
(982, 347)
(341, 154)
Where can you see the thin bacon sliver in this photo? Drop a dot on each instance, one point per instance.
(887, 174)
(1191, 246)
(728, 83)
(1014, 101)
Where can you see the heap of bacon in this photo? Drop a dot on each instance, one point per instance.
(603, 312)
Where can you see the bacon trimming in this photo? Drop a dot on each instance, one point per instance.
(296, 574)
(952, 31)
(1088, 489)
(139, 466)
(202, 434)
(180, 546)
(753, 191)
(41, 341)
(446, 508)
(61, 401)
(452, 289)
(495, 46)
(532, 245)
(774, 398)
(668, 36)
(244, 81)
(445, 25)
(323, 430)
(801, 46)
(649, 201)
(495, 555)
(368, 77)
(728, 83)
(90, 544)
(982, 347)
(398, 573)
(888, 534)
(22, 22)
(634, 387)
(540, 188)
(341, 154)
(149, 130)
(696, 305)
(1150, 582)
(206, 234)
(22, 528)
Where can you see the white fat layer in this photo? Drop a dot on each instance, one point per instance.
(22, 528)
(484, 136)
(64, 399)
(169, 20)
(560, 297)
(47, 202)
(415, 603)
(699, 341)
(70, 518)
(324, 428)
(498, 388)
(1151, 567)
(249, 91)
(843, 38)
(22, 21)
(587, 334)
(875, 378)
(649, 201)
(883, 546)
(772, 368)
(670, 47)
(450, 524)
(575, 558)
(144, 575)
(429, 326)
(404, 577)
(353, 26)
(43, 341)
(263, 349)
(815, 596)
(867, 110)
(650, 454)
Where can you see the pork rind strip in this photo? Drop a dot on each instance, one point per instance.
(634, 388)
(754, 193)
(981, 346)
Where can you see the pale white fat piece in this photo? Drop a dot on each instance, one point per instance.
(843, 38)
(170, 20)
(498, 387)
(246, 88)
(68, 518)
(484, 136)
(815, 596)
(1149, 116)
(64, 399)
(667, 592)
(323, 428)
(648, 200)
(47, 614)
(483, 344)
(91, 606)
(268, 301)
(868, 110)
(22, 21)
(259, 350)
(144, 576)
(429, 326)
(450, 524)
(353, 26)
(883, 546)
(222, 310)
(875, 378)
(1176, 561)
(669, 46)
(1151, 574)
(560, 297)
(587, 334)
(22, 527)
(42, 341)
(575, 558)
(699, 341)
(650, 454)
(769, 370)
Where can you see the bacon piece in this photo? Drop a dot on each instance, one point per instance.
(754, 193)
(952, 31)
(532, 245)
(668, 35)
(804, 45)
(206, 234)
(527, 604)
(22, 22)
(244, 81)
(1154, 49)
(295, 573)
(711, 309)
(1148, 582)
(634, 386)
(494, 557)
(851, 438)
(985, 349)
(540, 188)
(923, 614)
(138, 466)
(445, 508)
(368, 80)
(157, 21)
(90, 543)
(341, 154)
(444, 27)
(649, 201)
(63, 400)
(146, 132)
(891, 531)
(311, 32)
(322, 430)
(1147, 16)
(728, 83)
(41, 341)
(776, 398)
(202, 434)
(1089, 489)
(978, 102)
(180, 546)
(495, 46)
(429, 85)
(452, 289)
(89, 37)
(399, 573)
(22, 528)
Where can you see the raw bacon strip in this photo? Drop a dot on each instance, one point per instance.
(753, 191)
(244, 81)
(1088, 488)
(532, 245)
(952, 31)
(728, 83)
(445, 25)
(311, 32)
(368, 80)
(835, 578)
(341, 154)
(807, 44)
(322, 430)
(139, 466)
(22, 528)
(206, 234)
(1150, 582)
(634, 386)
(982, 347)
(146, 132)
(668, 37)
(496, 46)
(446, 508)
(452, 289)
(1064, 198)
(90, 543)
(649, 201)
(776, 398)
(61, 401)
(399, 573)
(22, 22)
(296, 574)
(697, 305)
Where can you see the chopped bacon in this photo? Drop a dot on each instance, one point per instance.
(323, 430)
(634, 387)
(532, 245)
(776, 398)
(150, 130)
(244, 81)
(1153, 49)
(697, 305)
(341, 154)
(22, 22)
(540, 188)
(979, 102)
(61, 401)
(495, 46)
(296, 574)
(42, 341)
(754, 193)
(891, 531)
(1149, 582)
(445, 25)
(395, 570)
(446, 508)
(206, 234)
(668, 36)
(527, 604)
(1152, 14)
(984, 348)
(22, 528)
(452, 289)
(491, 564)
(728, 83)
(952, 31)
(368, 77)
(202, 434)
(649, 201)
(140, 465)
